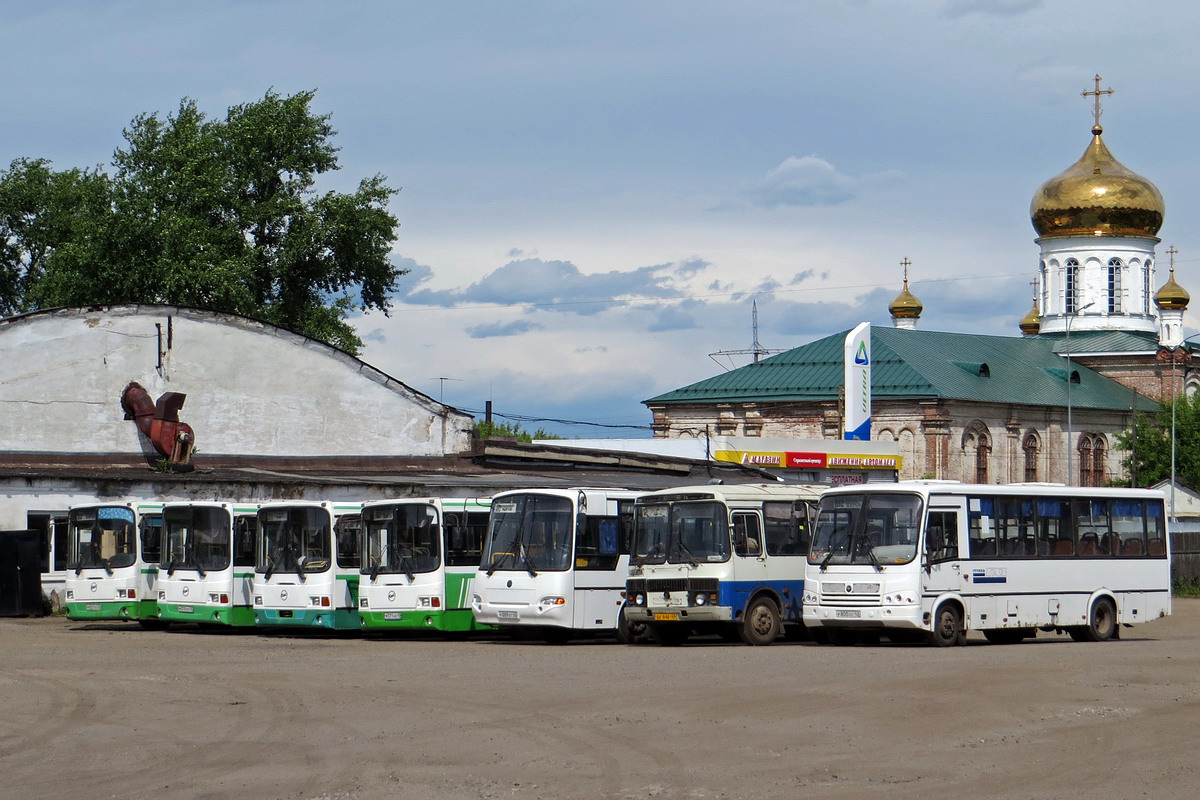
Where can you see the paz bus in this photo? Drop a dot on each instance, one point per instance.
(936, 559)
(720, 559)
(112, 562)
(555, 561)
(206, 572)
(306, 570)
(419, 558)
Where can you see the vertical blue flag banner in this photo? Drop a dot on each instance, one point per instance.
(858, 383)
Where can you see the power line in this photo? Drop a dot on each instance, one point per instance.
(525, 418)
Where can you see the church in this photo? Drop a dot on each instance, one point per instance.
(1102, 342)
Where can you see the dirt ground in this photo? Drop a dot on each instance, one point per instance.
(100, 711)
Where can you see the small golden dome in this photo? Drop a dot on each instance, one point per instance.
(1031, 323)
(1097, 196)
(906, 305)
(1172, 295)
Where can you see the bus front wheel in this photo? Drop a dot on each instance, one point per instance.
(760, 623)
(1102, 623)
(947, 627)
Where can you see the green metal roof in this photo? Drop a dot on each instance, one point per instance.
(1115, 342)
(917, 364)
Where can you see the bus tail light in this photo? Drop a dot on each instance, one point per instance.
(133, 594)
(437, 602)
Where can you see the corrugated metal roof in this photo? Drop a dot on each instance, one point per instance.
(918, 364)
(1103, 341)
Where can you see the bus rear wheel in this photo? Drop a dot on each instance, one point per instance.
(760, 623)
(1102, 623)
(947, 627)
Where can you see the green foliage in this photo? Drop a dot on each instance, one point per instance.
(1149, 443)
(219, 214)
(1185, 588)
(509, 430)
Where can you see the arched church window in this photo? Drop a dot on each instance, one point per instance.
(1147, 282)
(1114, 285)
(982, 454)
(1091, 459)
(1071, 283)
(1030, 447)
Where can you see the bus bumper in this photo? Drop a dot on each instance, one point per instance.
(692, 614)
(907, 617)
(336, 619)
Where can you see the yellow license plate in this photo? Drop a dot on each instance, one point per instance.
(666, 617)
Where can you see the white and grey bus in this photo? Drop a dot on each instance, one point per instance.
(722, 559)
(555, 561)
(936, 559)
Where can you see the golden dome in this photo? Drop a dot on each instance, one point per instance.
(1172, 295)
(1097, 196)
(906, 305)
(1031, 323)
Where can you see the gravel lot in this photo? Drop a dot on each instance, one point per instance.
(99, 711)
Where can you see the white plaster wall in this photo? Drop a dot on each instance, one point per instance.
(252, 389)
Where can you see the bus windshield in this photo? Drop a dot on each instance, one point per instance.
(680, 533)
(400, 539)
(529, 533)
(293, 540)
(875, 529)
(196, 538)
(102, 537)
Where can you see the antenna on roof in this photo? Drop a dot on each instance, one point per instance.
(756, 350)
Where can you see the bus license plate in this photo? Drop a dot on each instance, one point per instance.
(508, 615)
(392, 616)
(186, 609)
(92, 607)
(849, 613)
(666, 617)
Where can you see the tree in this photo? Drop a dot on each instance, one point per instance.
(1149, 443)
(220, 214)
(509, 430)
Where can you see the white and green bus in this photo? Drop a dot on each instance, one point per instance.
(206, 572)
(112, 562)
(936, 559)
(307, 563)
(555, 561)
(419, 557)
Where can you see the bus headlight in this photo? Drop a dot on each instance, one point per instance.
(639, 599)
(550, 602)
(810, 598)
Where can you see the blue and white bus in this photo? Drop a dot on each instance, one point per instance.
(936, 559)
(721, 559)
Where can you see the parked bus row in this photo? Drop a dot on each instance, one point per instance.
(916, 560)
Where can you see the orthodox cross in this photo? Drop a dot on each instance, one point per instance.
(906, 264)
(1096, 112)
(1034, 283)
(1171, 251)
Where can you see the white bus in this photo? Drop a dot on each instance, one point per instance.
(206, 572)
(112, 562)
(306, 571)
(419, 559)
(935, 559)
(723, 559)
(555, 561)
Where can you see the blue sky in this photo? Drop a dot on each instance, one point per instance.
(592, 194)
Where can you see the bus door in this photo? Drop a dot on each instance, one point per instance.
(945, 534)
(750, 560)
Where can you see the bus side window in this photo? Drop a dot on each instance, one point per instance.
(746, 535)
(982, 532)
(941, 535)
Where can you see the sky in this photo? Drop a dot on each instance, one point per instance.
(593, 195)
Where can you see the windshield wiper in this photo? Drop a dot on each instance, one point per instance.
(270, 568)
(200, 569)
(378, 568)
(833, 549)
(170, 565)
(691, 561)
(496, 562)
(874, 560)
(525, 557)
(406, 565)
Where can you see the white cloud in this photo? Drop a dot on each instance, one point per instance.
(813, 181)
